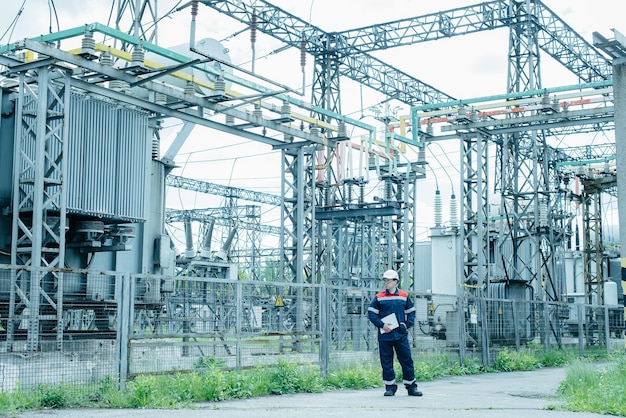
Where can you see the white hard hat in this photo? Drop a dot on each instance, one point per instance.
(390, 274)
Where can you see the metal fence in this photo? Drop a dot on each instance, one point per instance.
(91, 326)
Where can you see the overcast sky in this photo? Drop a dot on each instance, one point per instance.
(463, 67)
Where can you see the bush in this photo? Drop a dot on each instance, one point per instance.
(18, 401)
(59, 396)
(290, 378)
(359, 376)
(554, 358)
(442, 364)
(508, 361)
(532, 357)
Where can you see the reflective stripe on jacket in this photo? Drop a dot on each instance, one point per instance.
(399, 303)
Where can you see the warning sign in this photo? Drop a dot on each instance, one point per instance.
(279, 302)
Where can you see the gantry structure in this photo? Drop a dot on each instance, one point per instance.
(328, 232)
(534, 225)
(526, 172)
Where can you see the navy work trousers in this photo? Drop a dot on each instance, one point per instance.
(403, 351)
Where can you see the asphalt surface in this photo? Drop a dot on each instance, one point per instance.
(517, 394)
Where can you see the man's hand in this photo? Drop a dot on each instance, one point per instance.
(386, 328)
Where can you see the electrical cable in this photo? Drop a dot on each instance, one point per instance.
(311, 11)
(110, 17)
(173, 235)
(56, 15)
(170, 12)
(435, 177)
(52, 9)
(442, 166)
(184, 166)
(227, 158)
(13, 24)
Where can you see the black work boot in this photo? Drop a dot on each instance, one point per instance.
(413, 391)
(390, 390)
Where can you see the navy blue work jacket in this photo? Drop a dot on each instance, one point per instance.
(398, 303)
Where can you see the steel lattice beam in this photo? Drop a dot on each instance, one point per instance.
(353, 63)
(40, 202)
(221, 190)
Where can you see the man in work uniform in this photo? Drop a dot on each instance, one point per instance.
(393, 313)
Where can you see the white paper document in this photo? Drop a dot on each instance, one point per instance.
(390, 320)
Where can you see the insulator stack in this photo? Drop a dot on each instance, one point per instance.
(192, 33)
(303, 62)
(119, 85)
(421, 155)
(342, 131)
(303, 53)
(189, 251)
(253, 27)
(257, 112)
(361, 194)
(388, 189)
(328, 196)
(543, 213)
(115, 85)
(348, 191)
(454, 219)
(106, 59)
(160, 98)
(314, 130)
(285, 110)
(230, 120)
(206, 241)
(137, 56)
(219, 86)
(189, 88)
(88, 44)
(156, 148)
(438, 208)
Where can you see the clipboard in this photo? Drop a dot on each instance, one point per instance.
(390, 320)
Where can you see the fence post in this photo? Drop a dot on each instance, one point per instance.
(581, 337)
(462, 342)
(238, 321)
(484, 319)
(607, 330)
(546, 325)
(324, 326)
(124, 294)
(515, 325)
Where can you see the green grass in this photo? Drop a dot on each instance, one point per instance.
(587, 387)
(590, 387)
(531, 358)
